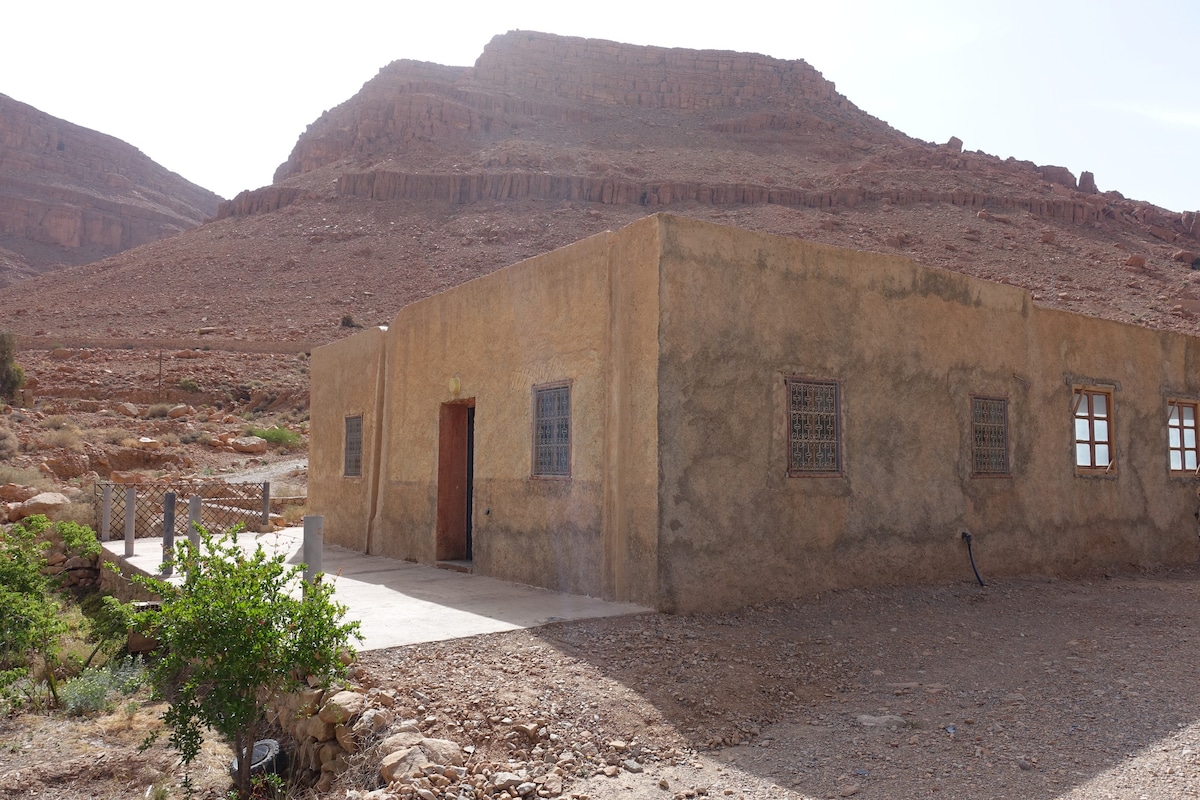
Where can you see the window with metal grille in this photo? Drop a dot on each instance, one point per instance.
(354, 442)
(552, 431)
(1181, 436)
(989, 429)
(1094, 442)
(814, 427)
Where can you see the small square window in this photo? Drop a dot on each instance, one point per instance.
(1095, 451)
(814, 427)
(1181, 436)
(552, 431)
(353, 451)
(989, 429)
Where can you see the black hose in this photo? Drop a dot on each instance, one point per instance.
(967, 538)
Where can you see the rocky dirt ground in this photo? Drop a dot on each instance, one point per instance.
(1031, 688)
(90, 412)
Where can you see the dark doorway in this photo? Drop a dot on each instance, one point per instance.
(456, 457)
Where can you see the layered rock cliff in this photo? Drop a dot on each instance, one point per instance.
(432, 175)
(552, 118)
(69, 195)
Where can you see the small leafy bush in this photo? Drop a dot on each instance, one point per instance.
(30, 614)
(87, 693)
(92, 690)
(128, 674)
(79, 539)
(189, 385)
(56, 422)
(276, 435)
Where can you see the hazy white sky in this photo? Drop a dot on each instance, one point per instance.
(219, 91)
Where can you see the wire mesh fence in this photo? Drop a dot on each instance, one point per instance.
(223, 505)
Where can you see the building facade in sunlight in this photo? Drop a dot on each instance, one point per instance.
(697, 417)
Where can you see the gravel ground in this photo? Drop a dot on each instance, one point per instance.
(1032, 689)
(1023, 689)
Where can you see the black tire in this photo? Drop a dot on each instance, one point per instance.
(264, 758)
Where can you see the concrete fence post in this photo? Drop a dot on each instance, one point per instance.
(168, 543)
(266, 507)
(106, 512)
(314, 542)
(194, 505)
(130, 519)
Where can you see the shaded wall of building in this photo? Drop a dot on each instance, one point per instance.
(909, 346)
(347, 381)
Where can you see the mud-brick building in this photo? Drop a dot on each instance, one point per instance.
(691, 416)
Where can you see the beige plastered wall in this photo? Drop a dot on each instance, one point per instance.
(347, 380)
(586, 314)
(909, 346)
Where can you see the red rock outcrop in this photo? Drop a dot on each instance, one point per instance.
(69, 195)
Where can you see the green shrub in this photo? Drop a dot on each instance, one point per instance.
(234, 633)
(30, 614)
(276, 435)
(87, 693)
(92, 690)
(56, 422)
(189, 385)
(80, 540)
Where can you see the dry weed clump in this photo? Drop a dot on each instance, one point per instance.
(10, 445)
(57, 422)
(117, 436)
(26, 477)
(158, 411)
(67, 438)
(78, 511)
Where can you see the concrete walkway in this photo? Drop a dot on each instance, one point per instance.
(399, 602)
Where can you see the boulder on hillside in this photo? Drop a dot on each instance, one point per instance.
(44, 503)
(252, 445)
(16, 493)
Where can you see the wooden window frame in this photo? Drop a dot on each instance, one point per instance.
(794, 468)
(534, 471)
(979, 429)
(352, 463)
(1178, 444)
(1083, 411)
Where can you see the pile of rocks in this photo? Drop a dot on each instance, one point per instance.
(357, 736)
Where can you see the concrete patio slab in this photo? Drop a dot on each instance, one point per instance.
(398, 602)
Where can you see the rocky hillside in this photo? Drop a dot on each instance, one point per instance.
(432, 175)
(69, 195)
